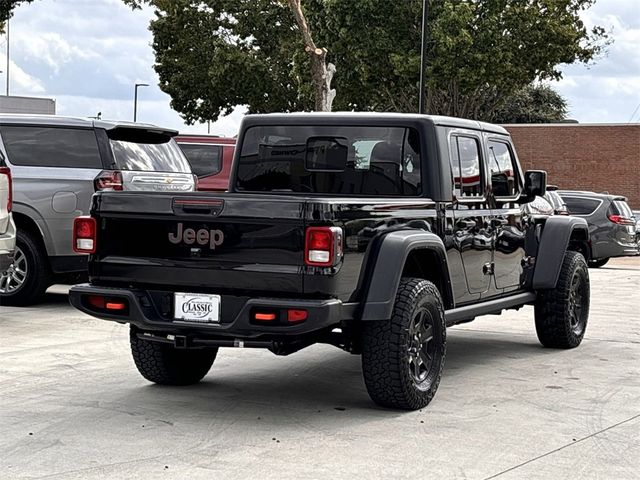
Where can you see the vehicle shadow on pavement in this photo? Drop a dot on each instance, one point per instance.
(279, 388)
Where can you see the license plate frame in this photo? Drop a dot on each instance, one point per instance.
(200, 308)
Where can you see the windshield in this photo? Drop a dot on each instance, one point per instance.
(154, 157)
(330, 160)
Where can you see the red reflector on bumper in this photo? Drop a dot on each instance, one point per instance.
(294, 316)
(116, 306)
(265, 317)
(96, 301)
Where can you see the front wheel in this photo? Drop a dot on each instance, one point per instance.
(598, 263)
(163, 364)
(402, 358)
(561, 314)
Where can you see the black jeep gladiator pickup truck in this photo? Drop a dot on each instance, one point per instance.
(370, 232)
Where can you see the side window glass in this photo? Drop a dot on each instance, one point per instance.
(465, 166)
(51, 147)
(503, 173)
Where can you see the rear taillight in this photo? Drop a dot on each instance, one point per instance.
(108, 181)
(323, 246)
(85, 232)
(621, 220)
(6, 171)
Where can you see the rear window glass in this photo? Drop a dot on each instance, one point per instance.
(620, 207)
(205, 160)
(155, 153)
(51, 147)
(465, 166)
(580, 205)
(330, 160)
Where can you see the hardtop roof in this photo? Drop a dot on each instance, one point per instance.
(355, 117)
(77, 122)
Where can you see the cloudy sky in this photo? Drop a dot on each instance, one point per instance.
(88, 54)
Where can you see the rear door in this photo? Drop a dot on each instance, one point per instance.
(214, 243)
(472, 238)
(149, 161)
(624, 223)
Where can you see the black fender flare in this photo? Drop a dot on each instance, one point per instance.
(384, 277)
(554, 242)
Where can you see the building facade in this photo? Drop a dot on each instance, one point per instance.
(590, 157)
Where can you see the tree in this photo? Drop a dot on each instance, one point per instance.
(215, 54)
(538, 103)
(6, 10)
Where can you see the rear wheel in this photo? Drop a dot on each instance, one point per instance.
(598, 263)
(402, 358)
(29, 276)
(162, 363)
(561, 314)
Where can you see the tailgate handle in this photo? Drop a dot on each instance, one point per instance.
(197, 206)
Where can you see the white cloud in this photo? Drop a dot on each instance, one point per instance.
(609, 90)
(24, 83)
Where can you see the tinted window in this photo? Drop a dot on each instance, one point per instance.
(503, 172)
(204, 159)
(465, 166)
(620, 207)
(164, 156)
(581, 205)
(51, 147)
(330, 160)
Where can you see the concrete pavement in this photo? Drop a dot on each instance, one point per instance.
(73, 406)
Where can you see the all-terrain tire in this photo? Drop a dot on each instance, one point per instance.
(561, 314)
(38, 272)
(390, 357)
(598, 263)
(163, 364)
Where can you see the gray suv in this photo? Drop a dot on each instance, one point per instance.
(612, 225)
(57, 164)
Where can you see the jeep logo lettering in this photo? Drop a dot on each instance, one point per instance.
(189, 236)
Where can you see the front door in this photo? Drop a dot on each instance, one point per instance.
(506, 219)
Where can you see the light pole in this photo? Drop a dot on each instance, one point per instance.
(135, 99)
(423, 55)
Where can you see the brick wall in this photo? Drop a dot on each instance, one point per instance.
(584, 157)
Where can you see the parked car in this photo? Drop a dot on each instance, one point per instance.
(7, 228)
(612, 227)
(278, 263)
(57, 164)
(210, 158)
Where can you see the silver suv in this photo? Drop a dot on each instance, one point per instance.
(57, 164)
(7, 227)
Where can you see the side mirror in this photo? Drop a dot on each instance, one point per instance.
(535, 184)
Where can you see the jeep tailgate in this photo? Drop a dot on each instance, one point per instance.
(196, 241)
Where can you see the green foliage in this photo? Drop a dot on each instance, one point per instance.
(6, 10)
(537, 103)
(212, 55)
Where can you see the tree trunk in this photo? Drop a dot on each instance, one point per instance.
(321, 71)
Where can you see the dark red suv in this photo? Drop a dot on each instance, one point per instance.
(210, 158)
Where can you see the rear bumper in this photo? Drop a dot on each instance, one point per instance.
(153, 311)
(7, 246)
